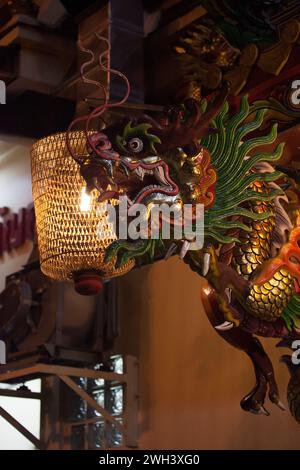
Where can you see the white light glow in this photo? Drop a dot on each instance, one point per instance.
(207, 290)
(85, 201)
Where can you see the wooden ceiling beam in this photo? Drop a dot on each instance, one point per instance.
(35, 115)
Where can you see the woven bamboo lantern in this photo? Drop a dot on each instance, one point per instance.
(72, 230)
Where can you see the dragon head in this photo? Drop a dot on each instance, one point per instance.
(154, 161)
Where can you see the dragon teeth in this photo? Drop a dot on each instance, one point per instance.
(158, 172)
(160, 175)
(152, 159)
(140, 172)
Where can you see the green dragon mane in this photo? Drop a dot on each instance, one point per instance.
(236, 171)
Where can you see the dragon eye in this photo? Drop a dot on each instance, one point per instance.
(136, 145)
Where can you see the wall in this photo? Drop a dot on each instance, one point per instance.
(15, 193)
(15, 184)
(27, 412)
(191, 381)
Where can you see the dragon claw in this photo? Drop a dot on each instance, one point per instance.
(172, 249)
(260, 410)
(276, 400)
(227, 325)
(228, 293)
(184, 249)
(254, 401)
(264, 411)
(206, 264)
(281, 405)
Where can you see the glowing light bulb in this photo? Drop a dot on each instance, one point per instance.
(207, 290)
(85, 201)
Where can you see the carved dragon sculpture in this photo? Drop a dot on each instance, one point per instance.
(202, 154)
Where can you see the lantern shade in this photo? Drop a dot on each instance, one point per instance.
(72, 233)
